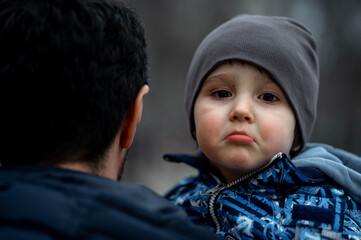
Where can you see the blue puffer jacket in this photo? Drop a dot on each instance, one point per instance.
(52, 203)
(279, 201)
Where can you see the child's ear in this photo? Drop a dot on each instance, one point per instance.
(296, 147)
(132, 119)
(296, 142)
(194, 135)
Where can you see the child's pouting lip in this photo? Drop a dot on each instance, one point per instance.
(240, 137)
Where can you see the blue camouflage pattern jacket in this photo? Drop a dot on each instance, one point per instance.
(279, 201)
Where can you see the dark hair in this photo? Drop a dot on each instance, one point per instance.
(69, 72)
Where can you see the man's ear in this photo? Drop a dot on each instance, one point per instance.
(132, 119)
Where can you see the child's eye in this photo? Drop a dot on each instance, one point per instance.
(268, 97)
(222, 94)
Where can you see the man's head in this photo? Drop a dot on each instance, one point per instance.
(280, 46)
(70, 72)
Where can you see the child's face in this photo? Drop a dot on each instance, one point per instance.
(242, 119)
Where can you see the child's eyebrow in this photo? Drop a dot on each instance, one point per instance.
(223, 77)
(219, 75)
(268, 79)
(212, 78)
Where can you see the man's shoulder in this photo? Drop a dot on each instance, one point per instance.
(79, 205)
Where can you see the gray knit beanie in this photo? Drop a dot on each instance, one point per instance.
(283, 47)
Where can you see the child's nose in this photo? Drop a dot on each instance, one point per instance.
(242, 111)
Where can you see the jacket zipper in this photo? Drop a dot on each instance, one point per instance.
(221, 186)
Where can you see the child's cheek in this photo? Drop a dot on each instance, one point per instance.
(278, 137)
(207, 127)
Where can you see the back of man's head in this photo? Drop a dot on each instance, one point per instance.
(69, 71)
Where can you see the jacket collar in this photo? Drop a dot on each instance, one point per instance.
(279, 171)
(197, 160)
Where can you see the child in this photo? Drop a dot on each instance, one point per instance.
(251, 98)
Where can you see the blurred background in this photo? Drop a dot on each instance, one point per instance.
(174, 28)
